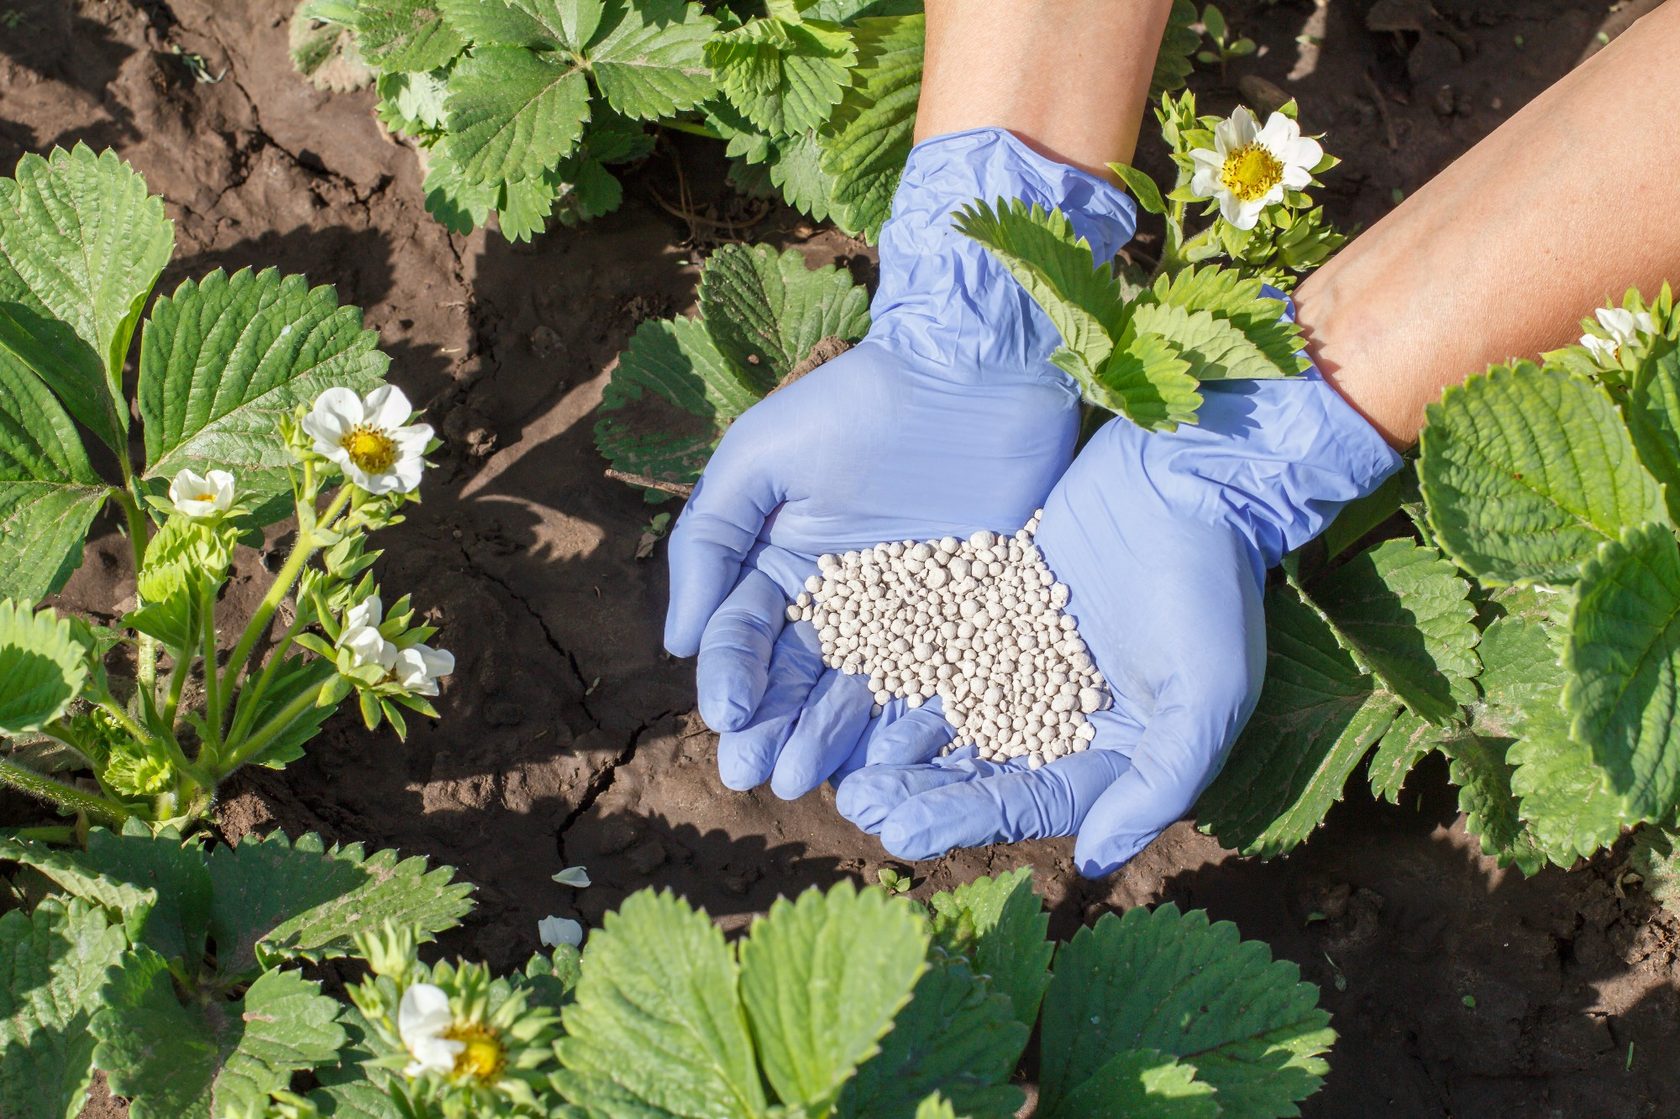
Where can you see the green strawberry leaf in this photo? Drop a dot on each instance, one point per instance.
(817, 1007)
(648, 58)
(460, 206)
(1000, 924)
(1039, 248)
(514, 113)
(669, 400)
(1623, 663)
(52, 969)
(1654, 859)
(42, 667)
(224, 358)
(869, 137)
(405, 35)
(158, 888)
(81, 244)
(957, 1036)
(784, 76)
(1180, 986)
(1406, 615)
(49, 493)
(1407, 742)
(273, 900)
(1140, 1082)
(213, 1057)
(1651, 408)
(1525, 471)
(767, 311)
(1317, 716)
(657, 1027)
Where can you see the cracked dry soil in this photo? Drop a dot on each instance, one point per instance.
(567, 734)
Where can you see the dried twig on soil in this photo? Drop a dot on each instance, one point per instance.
(679, 489)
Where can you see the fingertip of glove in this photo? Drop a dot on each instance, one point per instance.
(1101, 857)
(724, 713)
(858, 801)
(791, 784)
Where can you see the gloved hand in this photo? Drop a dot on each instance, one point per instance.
(1163, 541)
(946, 418)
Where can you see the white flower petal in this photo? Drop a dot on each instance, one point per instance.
(1241, 214)
(1601, 348)
(423, 1014)
(1279, 134)
(1304, 152)
(1296, 177)
(574, 876)
(1238, 130)
(335, 411)
(556, 931)
(386, 407)
(368, 612)
(368, 647)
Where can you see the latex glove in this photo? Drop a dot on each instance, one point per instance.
(1163, 541)
(946, 418)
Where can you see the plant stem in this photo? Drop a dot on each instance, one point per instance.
(283, 582)
(177, 683)
(212, 679)
(67, 797)
(693, 128)
(1172, 244)
(289, 714)
(138, 537)
(250, 697)
(47, 833)
(138, 533)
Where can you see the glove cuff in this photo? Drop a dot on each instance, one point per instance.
(944, 303)
(1278, 459)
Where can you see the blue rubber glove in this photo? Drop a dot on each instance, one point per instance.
(1163, 541)
(946, 418)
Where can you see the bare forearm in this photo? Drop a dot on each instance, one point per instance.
(1070, 77)
(1567, 205)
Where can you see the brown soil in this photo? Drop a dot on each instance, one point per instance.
(568, 735)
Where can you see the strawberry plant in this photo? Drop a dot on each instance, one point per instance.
(1138, 344)
(520, 106)
(901, 1013)
(166, 966)
(249, 397)
(1536, 660)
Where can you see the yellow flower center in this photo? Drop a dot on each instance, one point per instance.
(370, 448)
(203, 497)
(482, 1057)
(1250, 172)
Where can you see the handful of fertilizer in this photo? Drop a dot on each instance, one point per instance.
(978, 623)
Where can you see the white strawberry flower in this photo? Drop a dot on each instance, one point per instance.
(1250, 167)
(556, 931)
(418, 668)
(424, 1022)
(370, 438)
(1622, 326)
(361, 636)
(207, 495)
